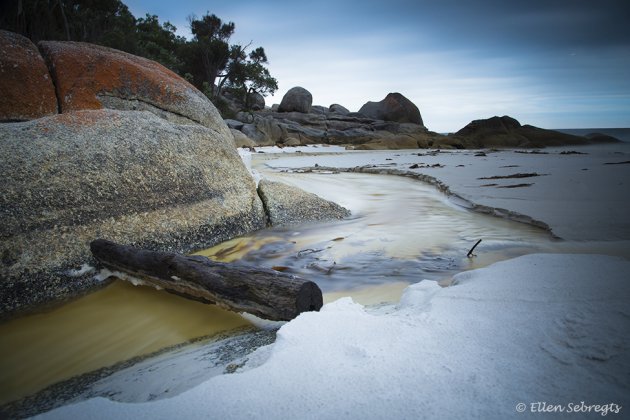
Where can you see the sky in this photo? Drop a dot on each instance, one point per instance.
(549, 63)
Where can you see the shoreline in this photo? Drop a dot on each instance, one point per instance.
(576, 195)
(445, 189)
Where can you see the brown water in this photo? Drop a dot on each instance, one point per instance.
(401, 231)
(108, 326)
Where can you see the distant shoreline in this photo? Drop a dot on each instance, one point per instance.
(622, 134)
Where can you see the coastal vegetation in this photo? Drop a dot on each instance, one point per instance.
(208, 60)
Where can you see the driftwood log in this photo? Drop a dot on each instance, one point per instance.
(262, 292)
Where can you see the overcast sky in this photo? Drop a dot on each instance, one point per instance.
(549, 63)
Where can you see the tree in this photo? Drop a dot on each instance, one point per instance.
(209, 47)
(224, 65)
(159, 42)
(247, 74)
(208, 60)
(104, 22)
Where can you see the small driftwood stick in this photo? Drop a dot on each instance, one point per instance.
(470, 253)
(241, 288)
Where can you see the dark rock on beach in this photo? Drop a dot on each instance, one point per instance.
(394, 107)
(297, 99)
(508, 132)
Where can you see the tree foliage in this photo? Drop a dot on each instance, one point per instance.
(227, 65)
(247, 74)
(208, 60)
(104, 22)
(159, 42)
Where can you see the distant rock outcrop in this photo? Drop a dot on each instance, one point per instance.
(297, 99)
(395, 107)
(335, 125)
(393, 123)
(601, 138)
(26, 88)
(508, 132)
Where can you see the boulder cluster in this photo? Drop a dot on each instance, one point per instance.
(392, 123)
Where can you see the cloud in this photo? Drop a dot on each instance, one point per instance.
(544, 62)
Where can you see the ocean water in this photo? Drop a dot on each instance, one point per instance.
(622, 134)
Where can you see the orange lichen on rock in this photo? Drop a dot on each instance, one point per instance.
(26, 88)
(82, 71)
(87, 75)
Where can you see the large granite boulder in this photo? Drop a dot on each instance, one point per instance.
(137, 156)
(89, 76)
(166, 179)
(395, 107)
(126, 176)
(297, 99)
(288, 206)
(241, 140)
(26, 88)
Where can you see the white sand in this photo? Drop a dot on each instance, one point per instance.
(539, 328)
